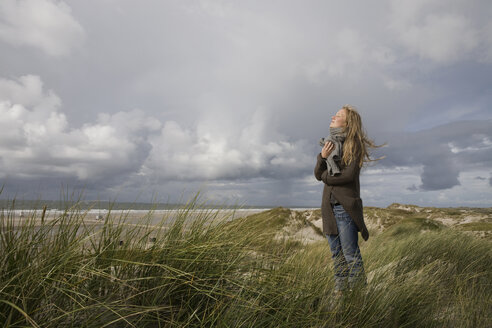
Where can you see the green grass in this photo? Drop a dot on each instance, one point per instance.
(476, 226)
(210, 272)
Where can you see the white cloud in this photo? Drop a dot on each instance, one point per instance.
(481, 143)
(45, 24)
(28, 91)
(36, 140)
(206, 152)
(18, 125)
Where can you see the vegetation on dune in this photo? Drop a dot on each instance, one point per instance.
(212, 272)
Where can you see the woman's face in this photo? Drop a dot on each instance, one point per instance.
(339, 119)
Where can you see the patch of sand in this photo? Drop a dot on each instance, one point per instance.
(318, 223)
(471, 219)
(447, 221)
(307, 235)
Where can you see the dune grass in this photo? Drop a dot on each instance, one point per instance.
(197, 269)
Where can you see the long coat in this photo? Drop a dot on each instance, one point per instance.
(346, 189)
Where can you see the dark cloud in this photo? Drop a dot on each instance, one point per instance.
(443, 151)
(413, 188)
(437, 177)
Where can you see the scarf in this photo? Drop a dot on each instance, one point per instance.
(337, 137)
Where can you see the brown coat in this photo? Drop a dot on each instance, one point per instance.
(346, 189)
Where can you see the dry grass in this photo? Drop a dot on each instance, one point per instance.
(250, 272)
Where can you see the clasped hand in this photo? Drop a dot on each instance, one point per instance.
(327, 149)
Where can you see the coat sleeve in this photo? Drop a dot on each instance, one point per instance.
(320, 167)
(347, 175)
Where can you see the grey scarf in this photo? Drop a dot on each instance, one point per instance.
(337, 137)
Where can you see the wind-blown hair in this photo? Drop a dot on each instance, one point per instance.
(357, 145)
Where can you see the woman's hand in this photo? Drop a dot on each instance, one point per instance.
(327, 149)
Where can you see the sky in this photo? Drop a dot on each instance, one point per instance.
(158, 100)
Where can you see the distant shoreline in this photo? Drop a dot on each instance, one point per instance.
(99, 210)
(30, 205)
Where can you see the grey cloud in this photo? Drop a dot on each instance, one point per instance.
(184, 64)
(443, 152)
(413, 188)
(429, 30)
(442, 175)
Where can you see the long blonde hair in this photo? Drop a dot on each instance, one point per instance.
(357, 145)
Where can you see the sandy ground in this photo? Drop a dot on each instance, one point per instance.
(135, 216)
(303, 224)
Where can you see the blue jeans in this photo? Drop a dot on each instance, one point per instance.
(347, 260)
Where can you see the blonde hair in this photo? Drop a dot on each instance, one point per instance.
(357, 145)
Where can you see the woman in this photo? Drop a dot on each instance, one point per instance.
(341, 207)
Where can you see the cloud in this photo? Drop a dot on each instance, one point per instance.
(486, 35)
(132, 149)
(236, 94)
(396, 84)
(28, 91)
(443, 152)
(219, 8)
(37, 141)
(437, 177)
(439, 31)
(44, 24)
(349, 54)
(207, 153)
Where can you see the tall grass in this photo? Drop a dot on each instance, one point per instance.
(200, 269)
